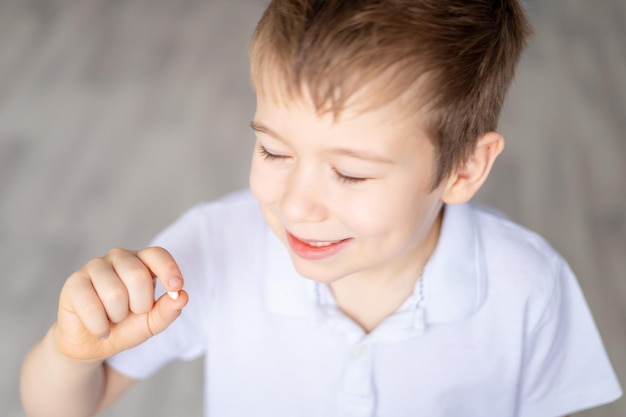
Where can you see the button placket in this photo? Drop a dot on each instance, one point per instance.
(357, 398)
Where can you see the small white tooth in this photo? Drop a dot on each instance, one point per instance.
(320, 244)
(173, 295)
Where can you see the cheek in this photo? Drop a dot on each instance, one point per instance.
(400, 218)
(369, 214)
(264, 185)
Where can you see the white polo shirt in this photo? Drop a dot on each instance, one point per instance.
(497, 326)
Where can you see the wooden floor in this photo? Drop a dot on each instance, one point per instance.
(115, 116)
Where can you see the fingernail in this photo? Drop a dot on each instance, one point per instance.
(175, 282)
(173, 295)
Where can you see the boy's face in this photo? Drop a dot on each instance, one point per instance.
(347, 197)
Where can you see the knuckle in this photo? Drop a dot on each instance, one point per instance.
(157, 248)
(75, 282)
(116, 252)
(137, 274)
(96, 264)
(165, 258)
(156, 251)
(113, 295)
(74, 278)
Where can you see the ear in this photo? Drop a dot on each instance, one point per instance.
(467, 180)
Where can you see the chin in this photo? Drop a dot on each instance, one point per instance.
(318, 273)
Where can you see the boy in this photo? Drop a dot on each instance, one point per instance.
(353, 280)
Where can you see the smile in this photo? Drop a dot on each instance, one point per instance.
(315, 249)
(321, 244)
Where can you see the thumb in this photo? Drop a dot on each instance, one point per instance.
(165, 311)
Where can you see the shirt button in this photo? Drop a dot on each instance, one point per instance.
(359, 351)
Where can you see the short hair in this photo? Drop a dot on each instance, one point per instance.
(457, 58)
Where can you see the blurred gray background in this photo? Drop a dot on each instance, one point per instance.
(115, 116)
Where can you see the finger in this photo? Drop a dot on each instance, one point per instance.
(163, 266)
(82, 300)
(137, 279)
(165, 311)
(138, 328)
(110, 289)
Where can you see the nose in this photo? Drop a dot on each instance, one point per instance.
(303, 199)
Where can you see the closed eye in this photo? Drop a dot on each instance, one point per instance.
(348, 179)
(269, 156)
(265, 154)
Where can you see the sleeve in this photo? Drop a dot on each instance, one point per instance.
(186, 240)
(566, 368)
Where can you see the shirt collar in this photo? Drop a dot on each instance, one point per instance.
(454, 277)
(453, 280)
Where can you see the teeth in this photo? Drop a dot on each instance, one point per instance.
(320, 244)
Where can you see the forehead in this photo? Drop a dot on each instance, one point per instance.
(301, 113)
(368, 106)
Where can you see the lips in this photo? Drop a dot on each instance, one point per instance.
(315, 249)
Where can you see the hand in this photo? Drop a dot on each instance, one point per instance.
(108, 305)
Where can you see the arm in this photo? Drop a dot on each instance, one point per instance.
(106, 307)
(87, 386)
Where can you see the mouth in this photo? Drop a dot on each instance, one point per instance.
(315, 249)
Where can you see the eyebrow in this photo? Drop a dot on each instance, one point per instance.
(258, 127)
